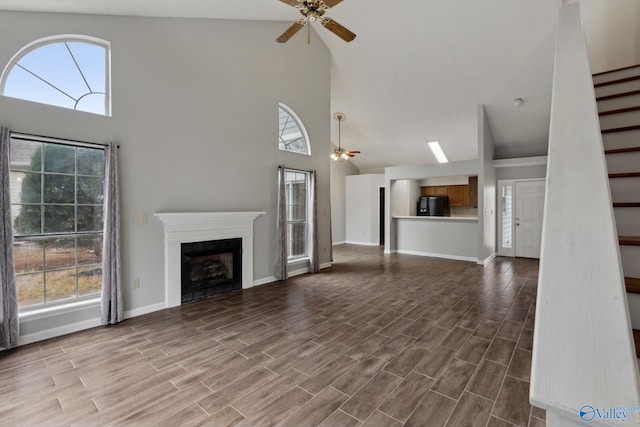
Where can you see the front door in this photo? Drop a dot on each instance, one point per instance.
(529, 208)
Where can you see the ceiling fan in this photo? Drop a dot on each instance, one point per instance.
(340, 153)
(313, 10)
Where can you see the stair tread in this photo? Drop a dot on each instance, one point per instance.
(618, 95)
(632, 285)
(619, 111)
(616, 70)
(629, 240)
(624, 175)
(621, 129)
(621, 150)
(626, 204)
(613, 82)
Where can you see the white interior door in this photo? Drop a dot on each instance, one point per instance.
(529, 207)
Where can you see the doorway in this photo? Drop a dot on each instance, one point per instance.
(521, 207)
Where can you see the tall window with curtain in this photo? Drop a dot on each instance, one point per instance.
(57, 192)
(9, 326)
(65, 218)
(297, 220)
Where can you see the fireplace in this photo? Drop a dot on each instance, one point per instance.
(211, 267)
(187, 227)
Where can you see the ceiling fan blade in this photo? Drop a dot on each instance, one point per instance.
(338, 29)
(291, 31)
(293, 3)
(354, 152)
(330, 3)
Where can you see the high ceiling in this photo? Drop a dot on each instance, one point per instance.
(416, 71)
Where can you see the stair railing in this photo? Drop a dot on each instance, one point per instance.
(584, 368)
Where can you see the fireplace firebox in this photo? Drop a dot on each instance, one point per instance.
(210, 268)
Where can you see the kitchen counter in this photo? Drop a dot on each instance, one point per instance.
(453, 237)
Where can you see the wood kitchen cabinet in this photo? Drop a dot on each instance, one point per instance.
(459, 195)
(428, 191)
(456, 195)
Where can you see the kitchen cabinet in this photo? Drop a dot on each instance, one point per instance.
(456, 195)
(428, 191)
(459, 195)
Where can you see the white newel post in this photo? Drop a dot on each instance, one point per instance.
(187, 227)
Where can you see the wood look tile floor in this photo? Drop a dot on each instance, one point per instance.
(376, 340)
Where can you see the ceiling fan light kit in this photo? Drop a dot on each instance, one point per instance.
(314, 10)
(340, 153)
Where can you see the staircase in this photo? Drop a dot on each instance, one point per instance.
(618, 99)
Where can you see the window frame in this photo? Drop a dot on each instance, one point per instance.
(307, 181)
(45, 41)
(299, 125)
(75, 235)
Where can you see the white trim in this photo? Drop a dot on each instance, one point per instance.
(128, 314)
(433, 255)
(339, 243)
(390, 252)
(185, 227)
(59, 331)
(78, 326)
(57, 310)
(271, 279)
(300, 125)
(264, 281)
(62, 38)
(520, 161)
(362, 243)
(487, 260)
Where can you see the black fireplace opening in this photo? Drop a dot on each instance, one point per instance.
(210, 268)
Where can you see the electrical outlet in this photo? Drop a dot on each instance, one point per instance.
(144, 218)
(135, 283)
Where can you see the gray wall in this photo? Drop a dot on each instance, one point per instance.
(363, 208)
(339, 170)
(487, 184)
(195, 111)
(521, 172)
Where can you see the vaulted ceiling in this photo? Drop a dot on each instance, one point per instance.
(416, 71)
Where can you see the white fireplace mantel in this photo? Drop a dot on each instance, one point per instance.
(187, 227)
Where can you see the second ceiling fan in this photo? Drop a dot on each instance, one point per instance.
(313, 10)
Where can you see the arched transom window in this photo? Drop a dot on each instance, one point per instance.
(64, 71)
(292, 134)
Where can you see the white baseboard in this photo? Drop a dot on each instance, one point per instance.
(389, 251)
(487, 260)
(339, 243)
(293, 273)
(59, 331)
(85, 324)
(348, 242)
(128, 314)
(433, 255)
(264, 281)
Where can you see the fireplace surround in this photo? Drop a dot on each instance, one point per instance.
(188, 227)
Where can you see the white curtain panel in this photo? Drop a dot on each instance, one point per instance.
(9, 325)
(314, 263)
(112, 308)
(281, 269)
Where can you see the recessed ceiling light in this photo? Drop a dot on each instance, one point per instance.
(437, 151)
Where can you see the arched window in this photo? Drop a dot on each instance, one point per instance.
(64, 71)
(292, 134)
